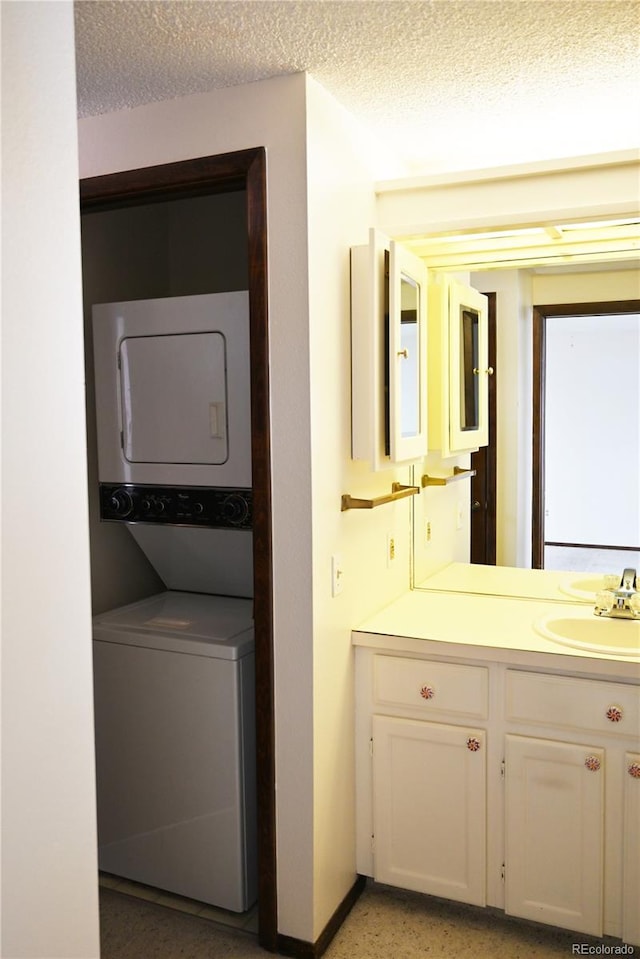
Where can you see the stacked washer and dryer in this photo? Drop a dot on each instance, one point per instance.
(174, 673)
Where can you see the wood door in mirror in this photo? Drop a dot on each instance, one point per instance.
(484, 462)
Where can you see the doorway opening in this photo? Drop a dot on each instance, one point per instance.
(586, 436)
(207, 176)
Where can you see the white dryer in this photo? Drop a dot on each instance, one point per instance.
(175, 746)
(174, 673)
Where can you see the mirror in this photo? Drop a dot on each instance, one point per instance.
(409, 371)
(469, 369)
(407, 355)
(518, 290)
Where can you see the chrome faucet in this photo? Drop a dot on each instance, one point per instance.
(622, 600)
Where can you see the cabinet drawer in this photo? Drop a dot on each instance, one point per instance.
(430, 689)
(572, 703)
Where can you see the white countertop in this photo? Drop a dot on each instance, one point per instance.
(542, 584)
(486, 627)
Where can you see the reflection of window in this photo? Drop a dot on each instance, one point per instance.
(469, 381)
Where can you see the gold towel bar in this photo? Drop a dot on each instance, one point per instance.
(398, 491)
(458, 474)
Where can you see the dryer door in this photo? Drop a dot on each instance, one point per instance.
(173, 391)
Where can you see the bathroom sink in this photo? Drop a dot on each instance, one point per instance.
(583, 587)
(597, 634)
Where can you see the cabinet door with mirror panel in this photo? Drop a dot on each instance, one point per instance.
(458, 368)
(388, 353)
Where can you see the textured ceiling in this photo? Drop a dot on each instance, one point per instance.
(457, 84)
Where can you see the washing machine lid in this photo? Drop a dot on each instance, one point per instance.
(220, 627)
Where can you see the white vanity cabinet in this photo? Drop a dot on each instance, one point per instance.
(388, 353)
(426, 775)
(488, 783)
(458, 367)
(570, 822)
(554, 833)
(631, 851)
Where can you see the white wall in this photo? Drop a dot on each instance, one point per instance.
(49, 881)
(341, 209)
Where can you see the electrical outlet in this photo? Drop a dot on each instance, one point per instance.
(337, 574)
(459, 514)
(427, 531)
(391, 548)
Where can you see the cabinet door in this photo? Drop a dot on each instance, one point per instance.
(429, 795)
(407, 355)
(554, 833)
(631, 851)
(469, 370)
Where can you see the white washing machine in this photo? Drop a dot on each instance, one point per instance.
(174, 674)
(175, 746)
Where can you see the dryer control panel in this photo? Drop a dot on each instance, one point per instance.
(210, 507)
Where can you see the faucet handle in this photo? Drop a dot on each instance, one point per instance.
(628, 579)
(604, 602)
(610, 581)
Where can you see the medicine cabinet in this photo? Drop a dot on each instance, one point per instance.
(458, 367)
(388, 353)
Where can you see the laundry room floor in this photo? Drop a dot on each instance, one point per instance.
(384, 923)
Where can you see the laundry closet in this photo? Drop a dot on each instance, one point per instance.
(169, 455)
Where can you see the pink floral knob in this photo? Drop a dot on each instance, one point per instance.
(592, 763)
(634, 770)
(473, 744)
(427, 692)
(614, 714)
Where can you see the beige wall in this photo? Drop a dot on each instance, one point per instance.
(49, 866)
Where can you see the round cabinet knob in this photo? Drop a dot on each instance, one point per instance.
(427, 692)
(235, 509)
(634, 770)
(476, 505)
(592, 763)
(614, 714)
(473, 744)
(121, 502)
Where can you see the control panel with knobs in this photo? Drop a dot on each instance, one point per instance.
(211, 507)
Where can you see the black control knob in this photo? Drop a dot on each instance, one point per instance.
(160, 506)
(121, 502)
(235, 509)
(198, 508)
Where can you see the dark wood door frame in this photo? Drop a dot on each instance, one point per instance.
(540, 317)
(243, 170)
(484, 461)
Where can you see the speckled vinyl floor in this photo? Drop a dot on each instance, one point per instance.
(385, 923)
